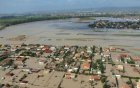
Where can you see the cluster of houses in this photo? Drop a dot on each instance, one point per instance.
(109, 65)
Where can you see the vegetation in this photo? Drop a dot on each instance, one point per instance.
(130, 61)
(2, 57)
(103, 79)
(28, 53)
(98, 65)
(7, 21)
(131, 77)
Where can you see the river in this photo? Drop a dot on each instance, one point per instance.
(68, 32)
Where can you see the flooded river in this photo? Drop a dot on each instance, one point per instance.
(68, 32)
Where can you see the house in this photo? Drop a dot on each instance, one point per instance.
(120, 50)
(66, 48)
(13, 49)
(62, 52)
(135, 58)
(138, 85)
(136, 70)
(48, 50)
(107, 55)
(26, 69)
(77, 55)
(27, 48)
(75, 69)
(69, 75)
(85, 65)
(124, 56)
(99, 72)
(125, 86)
(86, 55)
(94, 78)
(118, 76)
(23, 82)
(35, 70)
(89, 50)
(116, 58)
(53, 49)
(19, 62)
(20, 59)
(70, 70)
(41, 46)
(20, 66)
(42, 62)
(112, 49)
(103, 59)
(120, 67)
(106, 49)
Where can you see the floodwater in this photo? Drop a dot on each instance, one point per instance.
(69, 32)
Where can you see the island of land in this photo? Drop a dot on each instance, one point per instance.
(135, 25)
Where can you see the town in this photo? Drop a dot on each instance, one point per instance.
(49, 66)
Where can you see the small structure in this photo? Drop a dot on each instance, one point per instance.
(24, 82)
(48, 50)
(107, 55)
(94, 78)
(69, 75)
(42, 62)
(89, 50)
(85, 65)
(53, 49)
(20, 59)
(77, 55)
(120, 67)
(112, 49)
(125, 86)
(26, 69)
(118, 76)
(35, 70)
(135, 58)
(124, 56)
(138, 85)
(20, 66)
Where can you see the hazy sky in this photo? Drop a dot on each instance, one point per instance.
(21, 6)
